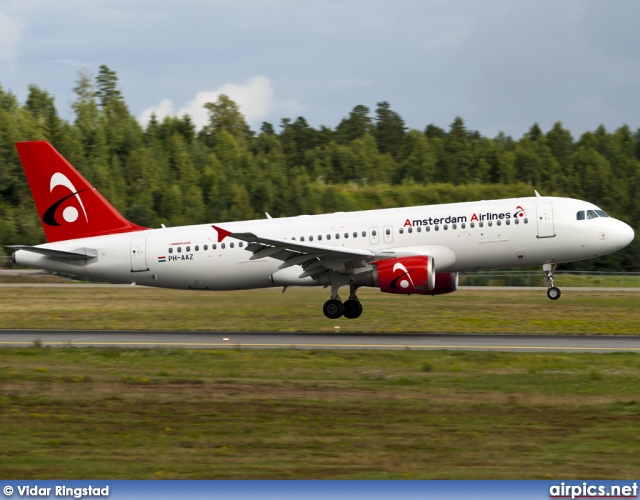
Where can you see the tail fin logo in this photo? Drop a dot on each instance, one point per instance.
(70, 213)
(404, 283)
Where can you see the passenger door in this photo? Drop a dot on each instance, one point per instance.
(545, 220)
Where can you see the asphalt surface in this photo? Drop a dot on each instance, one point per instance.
(265, 340)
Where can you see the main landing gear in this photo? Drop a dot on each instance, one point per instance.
(335, 308)
(553, 292)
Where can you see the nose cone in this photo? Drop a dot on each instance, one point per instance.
(625, 235)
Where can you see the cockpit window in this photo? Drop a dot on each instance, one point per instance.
(591, 214)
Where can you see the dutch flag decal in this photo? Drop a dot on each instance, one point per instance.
(162, 259)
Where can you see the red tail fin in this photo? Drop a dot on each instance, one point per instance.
(69, 207)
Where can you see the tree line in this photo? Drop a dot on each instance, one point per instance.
(168, 172)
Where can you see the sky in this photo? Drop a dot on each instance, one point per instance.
(501, 65)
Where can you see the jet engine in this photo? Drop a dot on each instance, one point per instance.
(413, 275)
(405, 275)
(445, 283)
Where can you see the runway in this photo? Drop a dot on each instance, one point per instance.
(270, 340)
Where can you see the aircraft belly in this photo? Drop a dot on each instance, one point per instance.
(494, 253)
(254, 274)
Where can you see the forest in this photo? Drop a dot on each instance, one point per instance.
(169, 172)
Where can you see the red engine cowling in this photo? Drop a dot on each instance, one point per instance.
(405, 275)
(445, 283)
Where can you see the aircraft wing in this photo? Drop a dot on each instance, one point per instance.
(317, 259)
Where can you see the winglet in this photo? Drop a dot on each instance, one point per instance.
(222, 233)
(537, 194)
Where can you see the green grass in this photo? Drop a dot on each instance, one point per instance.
(536, 279)
(249, 414)
(465, 311)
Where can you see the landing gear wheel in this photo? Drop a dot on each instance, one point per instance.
(352, 309)
(333, 309)
(553, 293)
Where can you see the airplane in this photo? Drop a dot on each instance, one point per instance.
(417, 250)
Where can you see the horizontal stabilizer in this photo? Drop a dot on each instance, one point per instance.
(80, 254)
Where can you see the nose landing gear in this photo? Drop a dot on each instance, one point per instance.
(553, 292)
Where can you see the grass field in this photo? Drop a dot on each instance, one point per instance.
(248, 414)
(526, 311)
(288, 413)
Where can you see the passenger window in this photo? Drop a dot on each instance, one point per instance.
(310, 238)
(507, 222)
(580, 215)
(437, 227)
(374, 233)
(301, 238)
(401, 230)
(454, 226)
(222, 245)
(517, 221)
(428, 228)
(205, 247)
(355, 235)
(410, 230)
(179, 249)
(388, 232)
(463, 225)
(328, 236)
(526, 221)
(346, 235)
(364, 234)
(188, 249)
(591, 214)
(445, 227)
(337, 236)
(170, 250)
(319, 237)
(214, 246)
(499, 223)
(419, 229)
(472, 225)
(231, 245)
(480, 224)
(197, 249)
(490, 223)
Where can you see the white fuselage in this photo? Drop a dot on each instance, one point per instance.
(460, 237)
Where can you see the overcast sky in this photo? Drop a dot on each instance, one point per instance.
(501, 65)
